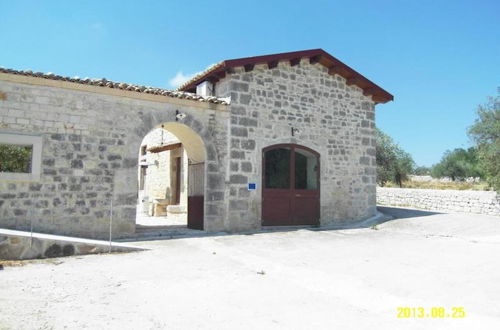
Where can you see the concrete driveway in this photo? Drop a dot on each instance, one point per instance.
(303, 279)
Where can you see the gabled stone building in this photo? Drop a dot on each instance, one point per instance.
(284, 139)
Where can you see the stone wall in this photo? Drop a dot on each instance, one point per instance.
(92, 136)
(481, 202)
(334, 119)
(428, 178)
(16, 245)
(90, 150)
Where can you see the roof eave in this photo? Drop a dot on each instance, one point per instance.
(335, 66)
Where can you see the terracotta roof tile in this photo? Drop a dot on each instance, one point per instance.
(103, 82)
(335, 66)
(200, 75)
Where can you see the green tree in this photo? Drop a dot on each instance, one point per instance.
(486, 134)
(404, 166)
(386, 158)
(422, 170)
(393, 163)
(458, 164)
(14, 158)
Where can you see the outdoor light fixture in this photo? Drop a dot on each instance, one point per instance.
(179, 115)
(295, 131)
(150, 163)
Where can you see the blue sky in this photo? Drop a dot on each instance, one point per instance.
(440, 59)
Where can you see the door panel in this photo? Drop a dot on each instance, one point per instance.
(305, 196)
(290, 189)
(276, 209)
(195, 212)
(276, 187)
(305, 210)
(196, 185)
(178, 169)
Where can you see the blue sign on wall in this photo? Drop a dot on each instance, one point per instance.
(252, 186)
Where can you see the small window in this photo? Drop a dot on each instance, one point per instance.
(306, 170)
(291, 167)
(20, 157)
(278, 168)
(15, 158)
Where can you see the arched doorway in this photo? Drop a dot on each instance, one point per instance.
(171, 179)
(290, 185)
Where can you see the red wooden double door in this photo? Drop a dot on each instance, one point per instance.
(290, 186)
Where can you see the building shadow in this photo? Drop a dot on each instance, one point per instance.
(404, 213)
(386, 214)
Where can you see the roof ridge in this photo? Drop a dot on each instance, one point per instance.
(200, 74)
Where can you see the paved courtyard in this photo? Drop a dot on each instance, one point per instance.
(172, 219)
(302, 279)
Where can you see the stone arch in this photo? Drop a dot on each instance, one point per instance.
(261, 145)
(294, 140)
(200, 146)
(168, 118)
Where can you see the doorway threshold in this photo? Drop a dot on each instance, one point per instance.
(148, 233)
(287, 228)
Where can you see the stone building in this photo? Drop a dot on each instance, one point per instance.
(283, 139)
(163, 165)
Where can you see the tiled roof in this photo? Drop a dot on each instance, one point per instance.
(103, 82)
(201, 74)
(335, 66)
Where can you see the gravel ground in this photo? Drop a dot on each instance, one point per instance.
(303, 279)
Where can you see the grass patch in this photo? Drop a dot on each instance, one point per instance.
(14, 263)
(441, 185)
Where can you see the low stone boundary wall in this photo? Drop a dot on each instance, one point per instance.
(481, 202)
(19, 245)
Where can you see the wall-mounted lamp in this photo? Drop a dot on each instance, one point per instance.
(179, 115)
(295, 131)
(150, 163)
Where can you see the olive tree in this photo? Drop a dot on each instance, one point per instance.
(486, 134)
(393, 163)
(458, 164)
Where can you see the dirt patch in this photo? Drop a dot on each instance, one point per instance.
(20, 263)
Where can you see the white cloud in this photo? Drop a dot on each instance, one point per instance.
(180, 78)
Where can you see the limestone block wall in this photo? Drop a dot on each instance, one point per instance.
(92, 137)
(90, 149)
(16, 245)
(158, 179)
(481, 202)
(334, 119)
